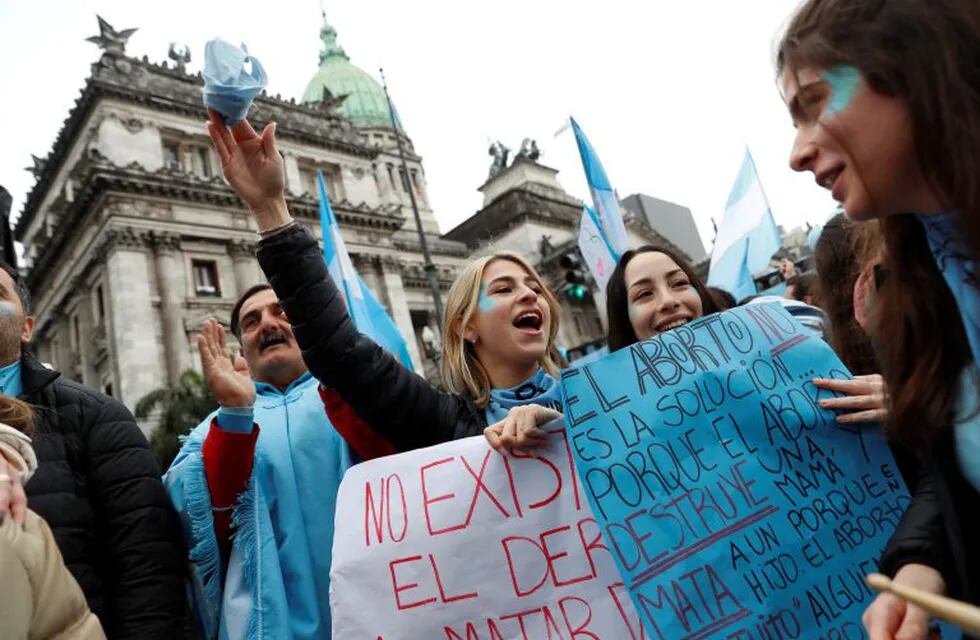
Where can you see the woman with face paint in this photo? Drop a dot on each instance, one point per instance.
(884, 96)
(499, 357)
(653, 290)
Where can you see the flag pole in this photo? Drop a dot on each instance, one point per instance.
(430, 268)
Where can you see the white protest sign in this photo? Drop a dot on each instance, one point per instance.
(459, 542)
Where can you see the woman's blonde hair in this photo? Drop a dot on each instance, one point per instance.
(461, 371)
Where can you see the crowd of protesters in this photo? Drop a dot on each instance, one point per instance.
(885, 99)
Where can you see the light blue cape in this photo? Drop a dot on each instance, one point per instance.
(277, 583)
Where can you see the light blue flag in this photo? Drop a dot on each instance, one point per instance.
(369, 316)
(603, 196)
(747, 236)
(595, 249)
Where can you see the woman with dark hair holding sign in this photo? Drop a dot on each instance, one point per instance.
(653, 290)
(885, 98)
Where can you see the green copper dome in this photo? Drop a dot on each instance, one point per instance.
(366, 104)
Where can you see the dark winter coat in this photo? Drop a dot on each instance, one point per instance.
(941, 527)
(98, 487)
(400, 405)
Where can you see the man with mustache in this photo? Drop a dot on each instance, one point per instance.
(267, 465)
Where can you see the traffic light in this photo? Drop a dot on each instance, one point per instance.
(574, 278)
(577, 292)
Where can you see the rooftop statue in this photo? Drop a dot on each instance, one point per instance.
(110, 40)
(500, 154)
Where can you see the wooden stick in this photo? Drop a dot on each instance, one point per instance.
(962, 614)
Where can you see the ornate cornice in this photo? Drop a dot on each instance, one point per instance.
(98, 177)
(121, 238)
(414, 276)
(172, 91)
(514, 208)
(238, 249)
(392, 264)
(163, 241)
(438, 245)
(365, 261)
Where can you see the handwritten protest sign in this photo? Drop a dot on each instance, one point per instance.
(735, 507)
(459, 542)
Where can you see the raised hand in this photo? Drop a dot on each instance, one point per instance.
(252, 165)
(229, 381)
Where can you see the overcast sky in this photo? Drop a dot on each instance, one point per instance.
(668, 92)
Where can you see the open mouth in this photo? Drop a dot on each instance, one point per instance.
(529, 321)
(671, 324)
(829, 180)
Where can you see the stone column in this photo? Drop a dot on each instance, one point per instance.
(384, 190)
(368, 266)
(136, 359)
(599, 299)
(86, 332)
(294, 181)
(565, 330)
(246, 266)
(171, 286)
(398, 306)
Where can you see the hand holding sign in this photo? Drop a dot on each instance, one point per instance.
(520, 429)
(864, 402)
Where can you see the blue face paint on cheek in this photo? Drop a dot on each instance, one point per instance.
(843, 82)
(484, 303)
(7, 310)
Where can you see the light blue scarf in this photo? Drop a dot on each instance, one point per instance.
(955, 261)
(539, 389)
(966, 425)
(958, 267)
(278, 576)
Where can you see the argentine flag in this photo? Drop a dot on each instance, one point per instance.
(747, 236)
(594, 245)
(368, 315)
(603, 196)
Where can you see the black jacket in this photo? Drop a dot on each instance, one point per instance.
(941, 527)
(395, 402)
(98, 487)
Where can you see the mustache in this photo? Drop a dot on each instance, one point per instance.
(271, 338)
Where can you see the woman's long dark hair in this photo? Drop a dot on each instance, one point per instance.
(621, 332)
(839, 259)
(924, 54)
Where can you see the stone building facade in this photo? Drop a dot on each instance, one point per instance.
(525, 209)
(132, 237)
